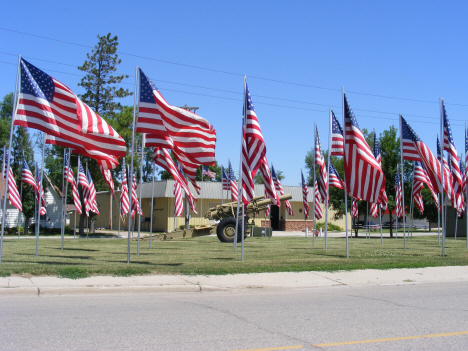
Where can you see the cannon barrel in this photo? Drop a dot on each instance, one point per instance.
(258, 203)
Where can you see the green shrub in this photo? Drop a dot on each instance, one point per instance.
(331, 226)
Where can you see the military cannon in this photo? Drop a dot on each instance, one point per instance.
(226, 215)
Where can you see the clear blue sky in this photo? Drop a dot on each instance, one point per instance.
(390, 57)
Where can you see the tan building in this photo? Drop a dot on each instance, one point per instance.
(210, 196)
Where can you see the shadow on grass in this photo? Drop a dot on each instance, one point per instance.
(52, 263)
(71, 249)
(220, 258)
(69, 257)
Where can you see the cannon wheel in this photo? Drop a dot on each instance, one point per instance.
(226, 229)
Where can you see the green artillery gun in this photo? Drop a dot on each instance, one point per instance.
(225, 221)
(226, 215)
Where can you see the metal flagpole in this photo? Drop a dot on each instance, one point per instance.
(152, 203)
(87, 218)
(130, 181)
(239, 184)
(402, 182)
(328, 177)
(40, 197)
(466, 203)
(442, 173)
(367, 221)
(380, 215)
(313, 186)
(411, 202)
(141, 186)
(243, 215)
(438, 220)
(63, 191)
(12, 126)
(65, 196)
(77, 181)
(201, 197)
(19, 213)
(344, 161)
(456, 224)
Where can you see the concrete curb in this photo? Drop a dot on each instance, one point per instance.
(39, 286)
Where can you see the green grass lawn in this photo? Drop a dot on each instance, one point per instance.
(206, 255)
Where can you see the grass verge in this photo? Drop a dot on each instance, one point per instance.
(206, 255)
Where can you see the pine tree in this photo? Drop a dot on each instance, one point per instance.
(100, 82)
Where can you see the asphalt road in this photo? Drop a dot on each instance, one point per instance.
(259, 320)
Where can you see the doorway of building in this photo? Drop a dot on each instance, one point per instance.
(274, 217)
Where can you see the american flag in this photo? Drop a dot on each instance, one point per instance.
(162, 158)
(398, 196)
(355, 208)
(317, 208)
(320, 161)
(426, 157)
(191, 200)
(92, 194)
(364, 176)
(170, 127)
(107, 175)
(305, 192)
(49, 106)
(40, 199)
(135, 202)
(337, 145)
(178, 203)
(83, 181)
(449, 146)
(224, 179)
(232, 183)
(378, 158)
(418, 201)
(267, 210)
(14, 196)
(420, 178)
(270, 189)
(448, 178)
(279, 189)
(124, 200)
(253, 147)
(190, 170)
(206, 171)
(335, 179)
(26, 175)
(71, 179)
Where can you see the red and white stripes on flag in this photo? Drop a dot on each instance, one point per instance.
(270, 189)
(364, 176)
(162, 158)
(49, 106)
(305, 192)
(124, 199)
(320, 161)
(170, 127)
(178, 203)
(92, 194)
(27, 176)
(279, 189)
(14, 196)
(232, 183)
(431, 164)
(449, 146)
(337, 144)
(335, 179)
(107, 175)
(224, 179)
(253, 147)
(317, 208)
(40, 199)
(355, 208)
(68, 177)
(420, 178)
(135, 203)
(83, 181)
(267, 210)
(398, 196)
(418, 201)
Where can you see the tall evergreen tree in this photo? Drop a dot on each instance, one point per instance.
(100, 82)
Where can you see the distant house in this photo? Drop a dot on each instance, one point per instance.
(52, 217)
(210, 196)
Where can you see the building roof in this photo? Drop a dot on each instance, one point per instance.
(209, 190)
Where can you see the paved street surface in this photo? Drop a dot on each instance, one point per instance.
(407, 309)
(255, 319)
